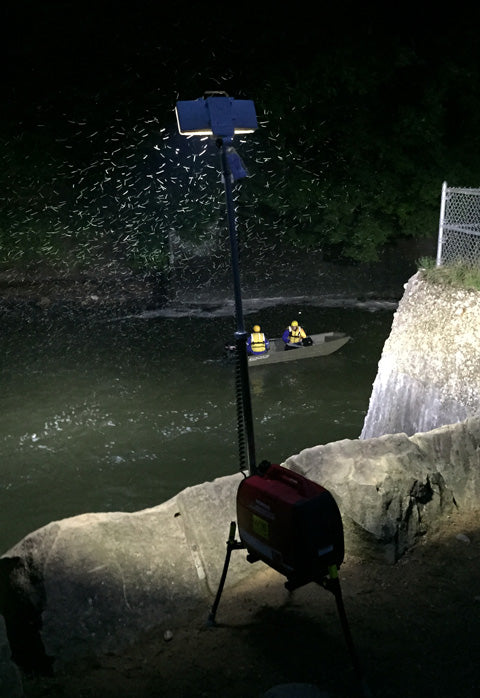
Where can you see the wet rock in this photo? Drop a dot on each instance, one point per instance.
(463, 538)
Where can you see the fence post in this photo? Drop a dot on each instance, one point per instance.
(440, 226)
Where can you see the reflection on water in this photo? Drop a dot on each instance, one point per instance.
(105, 415)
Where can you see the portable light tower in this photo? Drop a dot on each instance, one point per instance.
(287, 521)
(221, 117)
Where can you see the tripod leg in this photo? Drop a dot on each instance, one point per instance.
(231, 545)
(333, 585)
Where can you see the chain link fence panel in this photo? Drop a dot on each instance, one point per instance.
(459, 229)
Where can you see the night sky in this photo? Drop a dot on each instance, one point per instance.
(68, 57)
(69, 62)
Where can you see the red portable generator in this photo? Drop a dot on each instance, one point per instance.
(291, 523)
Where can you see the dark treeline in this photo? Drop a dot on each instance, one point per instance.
(362, 117)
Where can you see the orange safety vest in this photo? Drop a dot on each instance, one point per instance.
(257, 342)
(296, 334)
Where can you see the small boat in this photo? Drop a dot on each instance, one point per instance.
(323, 344)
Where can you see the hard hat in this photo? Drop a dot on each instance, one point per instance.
(294, 323)
(256, 328)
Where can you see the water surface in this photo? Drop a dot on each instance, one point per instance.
(110, 414)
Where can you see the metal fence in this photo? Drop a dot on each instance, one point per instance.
(459, 229)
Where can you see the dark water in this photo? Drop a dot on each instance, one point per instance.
(104, 414)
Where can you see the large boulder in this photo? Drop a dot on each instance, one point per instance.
(428, 373)
(394, 488)
(10, 680)
(94, 583)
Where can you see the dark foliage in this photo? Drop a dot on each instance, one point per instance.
(362, 116)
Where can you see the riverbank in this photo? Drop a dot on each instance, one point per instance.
(288, 272)
(98, 290)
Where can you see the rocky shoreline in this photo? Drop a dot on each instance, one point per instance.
(207, 279)
(95, 291)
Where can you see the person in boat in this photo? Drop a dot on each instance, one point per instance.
(257, 343)
(295, 336)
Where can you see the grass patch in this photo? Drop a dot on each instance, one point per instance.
(458, 275)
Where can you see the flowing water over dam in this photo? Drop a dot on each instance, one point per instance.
(110, 414)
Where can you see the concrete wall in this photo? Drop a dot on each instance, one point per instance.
(428, 374)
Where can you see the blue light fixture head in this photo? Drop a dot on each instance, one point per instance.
(217, 115)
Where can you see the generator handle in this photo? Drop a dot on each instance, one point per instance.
(291, 478)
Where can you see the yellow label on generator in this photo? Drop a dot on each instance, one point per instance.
(260, 526)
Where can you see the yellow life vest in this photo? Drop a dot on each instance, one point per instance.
(257, 342)
(296, 334)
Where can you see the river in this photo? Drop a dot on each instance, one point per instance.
(120, 414)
